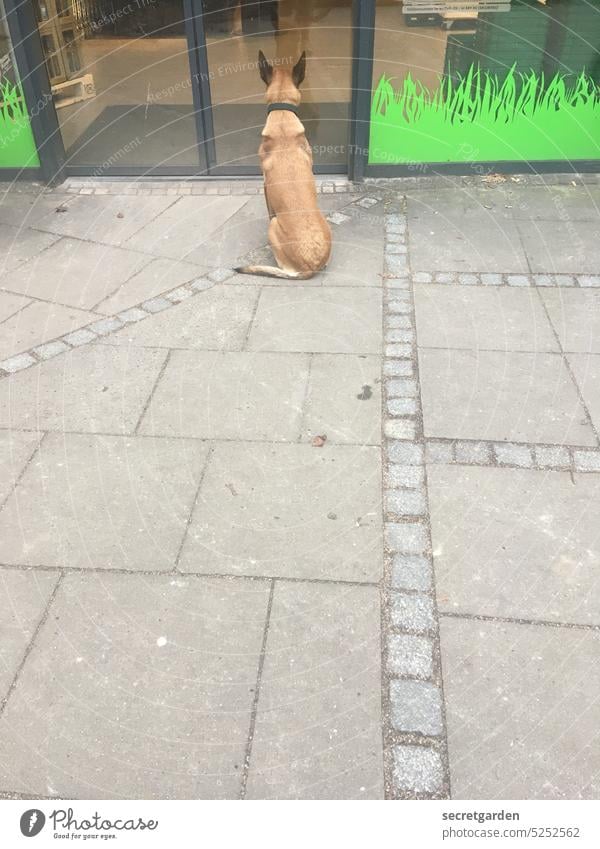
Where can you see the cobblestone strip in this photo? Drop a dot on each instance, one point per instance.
(414, 715)
(515, 455)
(205, 186)
(580, 281)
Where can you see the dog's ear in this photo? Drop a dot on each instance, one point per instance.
(299, 69)
(265, 68)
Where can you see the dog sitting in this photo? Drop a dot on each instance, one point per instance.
(299, 235)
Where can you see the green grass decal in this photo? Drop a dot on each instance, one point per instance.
(480, 117)
(17, 147)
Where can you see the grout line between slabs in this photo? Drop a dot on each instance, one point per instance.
(255, 700)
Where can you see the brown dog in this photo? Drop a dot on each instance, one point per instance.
(299, 235)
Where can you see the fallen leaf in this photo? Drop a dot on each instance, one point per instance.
(120, 215)
(61, 209)
(319, 441)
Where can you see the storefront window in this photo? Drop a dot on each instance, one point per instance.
(493, 80)
(17, 147)
(120, 78)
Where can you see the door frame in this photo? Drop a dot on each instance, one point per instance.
(54, 164)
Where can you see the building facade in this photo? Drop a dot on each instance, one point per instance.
(171, 87)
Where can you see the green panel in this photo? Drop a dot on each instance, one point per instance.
(481, 115)
(17, 146)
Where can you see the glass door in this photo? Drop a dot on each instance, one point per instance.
(235, 30)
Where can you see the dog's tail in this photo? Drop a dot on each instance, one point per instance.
(274, 271)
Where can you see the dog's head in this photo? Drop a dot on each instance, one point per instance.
(282, 82)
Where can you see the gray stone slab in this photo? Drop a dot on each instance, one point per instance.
(357, 254)
(233, 395)
(39, 322)
(217, 319)
(575, 314)
(327, 320)
(586, 368)
(482, 318)
(110, 219)
(418, 769)
(411, 572)
(416, 707)
(413, 612)
(288, 510)
(318, 725)
(25, 209)
(558, 203)
(521, 705)
(514, 396)
(89, 389)
(344, 399)
(190, 230)
(105, 502)
(469, 239)
(153, 699)
(15, 451)
(11, 303)
(23, 599)
(513, 542)
(75, 273)
(18, 244)
(555, 248)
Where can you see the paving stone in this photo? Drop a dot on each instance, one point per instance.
(410, 655)
(472, 452)
(25, 209)
(405, 453)
(418, 769)
(510, 687)
(297, 511)
(15, 450)
(413, 612)
(445, 277)
(439, 452)
(90, 389)
(411, 573)
(552, 455)
(544, 280)
(330, 320)
(203, 230)
(491, 279)
(75, 273)
(9, 303)
(405, 502)
(416, 707)
(400, 429)
(550, 245)
(318, 725)
(504, 319)
(106, 325)
(102, 502)
(156, 278)
(402, 387)
(23, 599)
(518, 280)
(393, 238)
(18, 363)
(586, 368)
(589, 280)
(406, 537)
(468, 279)
(402, 406)
(179, 295)
(343, 399)
(397, 350)
(399, 368)
(219, 275)
(357, 257)
(132, 315)
(575, 314)
(407, 336)
(37, 323)
(422, 277)
(80, 337)
(401, 321)
(217, 319)
(157, 305)
(157, 678)
(50, 349)
(461, 237)
(396, 248)
(19, 244)
(515, 542)
(587, 461)
(398, 306)
(407, 476)
(503, 396)
(234, 395)
(110, 219)
(397, 283)
(513, 455)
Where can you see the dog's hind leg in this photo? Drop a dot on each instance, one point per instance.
(283, 268)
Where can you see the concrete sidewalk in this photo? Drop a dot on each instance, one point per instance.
(330, 540)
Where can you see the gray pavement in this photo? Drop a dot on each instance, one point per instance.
(337, 539)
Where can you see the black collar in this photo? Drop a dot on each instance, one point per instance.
(288, 107)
